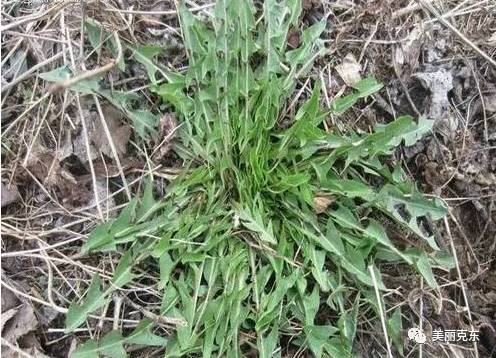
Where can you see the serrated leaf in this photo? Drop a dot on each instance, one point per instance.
(89, 86)
(149, 205)
(342, 104)
(395, 329)
(330, 242)
(122, 273)
(58, 74)
(275, 33)
(377, 232)
(304, 52)
(311, 305)
(322, 277)
(267, 344)
(121, 225)
(270, 301)
(415, 206)
(349, 188)
(166, 265)
(120, 99)
(367, 87)
(95, 33)
(344, 217)
(104, 236)
(99, 38)
(317, 337)
(144, 122)
(87, 350)
(255, 223)
(112, 346)
(100, 236)
(424, 267)
(418, 131)
(145, 55)
(77, 313)
(142, 336)
(364, 88)
(444, 260)
(347, 325)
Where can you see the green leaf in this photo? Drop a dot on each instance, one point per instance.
(95, 33)
(89, 86)
(142, 336)
(377, 232)
(311, 305)
(347, 324)
(349, 188)
(99, 38)
(122, 224)
(77, 313)
(148, 204)
(364, 88)
(270, 301)
(166, 265)
(120, 99)
(308, 39)
(111, 345)
(418, 131)
(122, 273)
(443, 260)
(322, 277)
(367, 87)
(145, 56)
(87, 350)
(342, 104)
(58, 74)
(144, 122)
(395, 329)
(330, 242)
(255, 223)
(424, 267)
(317, 337)
(390, 135)
(344, 217)
(100, 237)
(267, 344)
(393, 201)
(105, 235)
(277, 25)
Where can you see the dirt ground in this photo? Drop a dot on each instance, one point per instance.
(436, 58)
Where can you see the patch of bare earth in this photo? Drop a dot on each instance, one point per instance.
(63, 172)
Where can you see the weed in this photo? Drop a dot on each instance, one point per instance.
(269, 229)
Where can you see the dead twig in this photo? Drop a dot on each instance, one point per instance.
(31, 70)
(460, 279)
(34, 17)
(63, 85)
(156, 318)
(166, 12)
(112, 146)
(429, 7)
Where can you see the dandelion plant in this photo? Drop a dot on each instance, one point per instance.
(265, 241)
